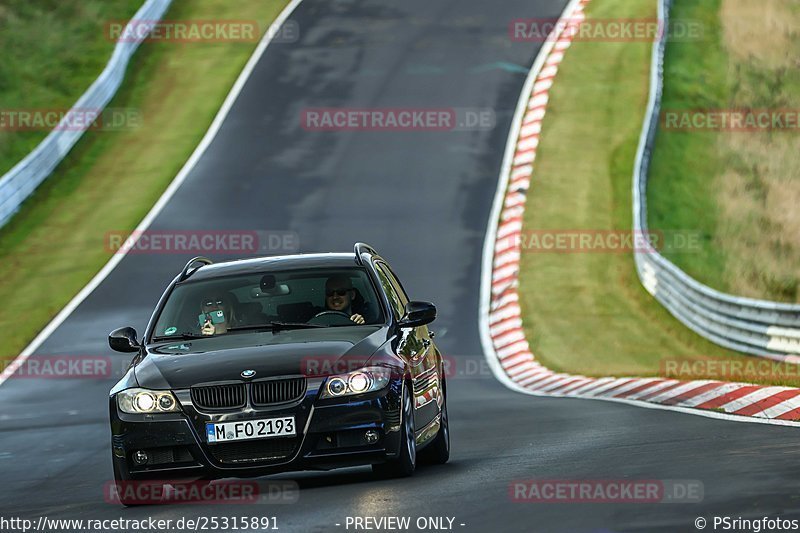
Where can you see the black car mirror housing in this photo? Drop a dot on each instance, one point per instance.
(123, 340)
(418, 314)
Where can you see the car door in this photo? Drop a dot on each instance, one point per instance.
(416, 347)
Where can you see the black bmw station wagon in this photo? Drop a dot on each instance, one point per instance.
(264, 365)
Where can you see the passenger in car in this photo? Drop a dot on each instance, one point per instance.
(339, 295)
(217, 314)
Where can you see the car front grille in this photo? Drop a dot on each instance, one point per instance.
(277, 391)
(254, 451)
(219, 396)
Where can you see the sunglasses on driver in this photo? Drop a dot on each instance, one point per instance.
(337, 292)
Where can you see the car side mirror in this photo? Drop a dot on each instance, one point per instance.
(418, 314)
(123, 340)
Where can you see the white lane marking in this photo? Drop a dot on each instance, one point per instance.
(162, 201)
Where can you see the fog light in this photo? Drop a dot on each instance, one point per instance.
(140, 458)
(371, 436)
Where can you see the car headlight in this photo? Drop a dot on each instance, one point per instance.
(359, 381)
(143, 401)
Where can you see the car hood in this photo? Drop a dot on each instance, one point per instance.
(180, 365)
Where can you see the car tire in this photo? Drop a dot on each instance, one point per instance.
(406, 462)
(438, 451)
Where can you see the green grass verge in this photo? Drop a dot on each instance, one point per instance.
(737, 191)
(685, 200)
(53, 50)
(587, 313)
(54, 245)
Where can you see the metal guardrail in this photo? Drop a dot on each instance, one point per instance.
(758, 327)
(20, 182)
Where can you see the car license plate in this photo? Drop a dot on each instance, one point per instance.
(251, 429)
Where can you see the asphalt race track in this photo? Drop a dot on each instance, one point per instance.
(422, 198)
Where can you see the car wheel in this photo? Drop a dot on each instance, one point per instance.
(406, 463)
(438, 451)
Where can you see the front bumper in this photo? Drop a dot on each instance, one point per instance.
(331, 434)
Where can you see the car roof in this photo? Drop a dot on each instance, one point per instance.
(259, 265)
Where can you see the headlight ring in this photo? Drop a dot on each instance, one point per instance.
(361, 381)
(145, 401)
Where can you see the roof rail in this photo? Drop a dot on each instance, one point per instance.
(200, 259)
(361, 248)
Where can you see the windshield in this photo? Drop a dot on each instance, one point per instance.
(247, 304)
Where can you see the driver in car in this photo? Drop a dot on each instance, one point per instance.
(339, 294)
(216, 315)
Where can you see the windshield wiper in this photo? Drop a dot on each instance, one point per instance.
(295, 325)
(179, 336)
(276, 326)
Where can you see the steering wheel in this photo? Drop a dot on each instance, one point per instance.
(331, 318)
(329, 312)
